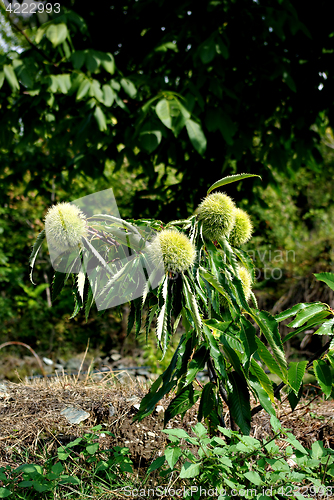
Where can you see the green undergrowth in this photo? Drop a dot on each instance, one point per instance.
(195, 466)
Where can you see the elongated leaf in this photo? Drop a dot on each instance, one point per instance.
(37, 245)
(229, 179)
(314, 321)
(192, 304)
(306, 314)
(324, 376)
(326, 328)
(81, 278)
(294, 310)
(263, 378)
(181, 403)
(108, 95)
(248, 335)
(294, 398)
(11, 77)
(89, 302)
(100, 118)
(269, 359)
(83, 89)
(208, 401)
(108, 62)
(58, 283)
(238, 401)
(296, 374)
(327, 278)
(164, 112)
(218, 358)
(197, 363)
(196, 136)
(269, 328)
(262, 395)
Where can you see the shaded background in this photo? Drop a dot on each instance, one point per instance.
(158, 100)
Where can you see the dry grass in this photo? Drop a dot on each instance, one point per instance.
(31, 420)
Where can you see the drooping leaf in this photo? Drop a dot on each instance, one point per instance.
(207, 402)
(324, 376)
(37, 245)
(184, 400)
(269, 328)
(238, 400)
(163, 111)
(295, 374)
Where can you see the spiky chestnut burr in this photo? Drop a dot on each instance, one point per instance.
(173, 249)
(217, 213)
(65, 225)
(242, 230)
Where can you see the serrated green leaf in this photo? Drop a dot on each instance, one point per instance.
(89, 302)
(306, 314)
(207, 402)
(80, 280)
(326, 328)
(191, 299)
(158, 462)
(229, 179)
(196, 136)
(324, 376)
(269, 359)
(184, 400)
(263, 379)
(37, 245)
(293, 311)
(269, 328)
(262, 395)
(295, 374)
(314, 321)
(58, 283)
(327, 278)
(238, 402)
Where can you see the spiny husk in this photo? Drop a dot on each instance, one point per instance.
(173, 249)
(242, 230)
(217, 212)
(65, 225)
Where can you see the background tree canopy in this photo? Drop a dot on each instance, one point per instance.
(158, 100)
(193, 87)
